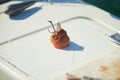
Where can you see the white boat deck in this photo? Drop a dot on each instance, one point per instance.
(24, 39)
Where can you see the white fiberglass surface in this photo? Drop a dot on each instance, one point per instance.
(36, 53)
